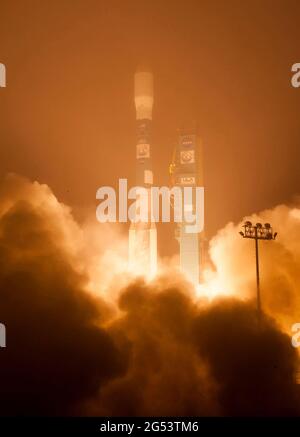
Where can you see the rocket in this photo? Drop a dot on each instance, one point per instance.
(186, 170)
(143, 235)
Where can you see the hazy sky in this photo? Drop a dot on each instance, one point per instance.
(67, 116)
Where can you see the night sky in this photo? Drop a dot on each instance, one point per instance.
(67, 116)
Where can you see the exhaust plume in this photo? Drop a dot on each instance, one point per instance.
(82, 340)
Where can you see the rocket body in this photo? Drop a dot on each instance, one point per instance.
(143, 235)
(187, 171)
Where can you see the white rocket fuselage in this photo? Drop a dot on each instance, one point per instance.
(187, 171)
(143, 236)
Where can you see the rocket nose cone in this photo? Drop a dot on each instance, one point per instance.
(143, 82)
(143, 93)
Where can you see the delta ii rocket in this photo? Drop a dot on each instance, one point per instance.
(143, 235)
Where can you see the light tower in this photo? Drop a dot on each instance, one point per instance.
(258, 232)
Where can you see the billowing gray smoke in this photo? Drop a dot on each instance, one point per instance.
(210, 360)
(56, 354)
(161, 353)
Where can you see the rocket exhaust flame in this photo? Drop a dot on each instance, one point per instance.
(134, 347)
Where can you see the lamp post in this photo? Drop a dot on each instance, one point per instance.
(258, 232)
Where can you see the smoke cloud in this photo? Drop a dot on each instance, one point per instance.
(56, 353)
(85, 337)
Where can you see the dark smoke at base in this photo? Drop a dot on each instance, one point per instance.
(55, 355)
(253, 363)
(187, 360)
(67, 352)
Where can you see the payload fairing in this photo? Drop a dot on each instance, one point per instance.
(143, 235)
